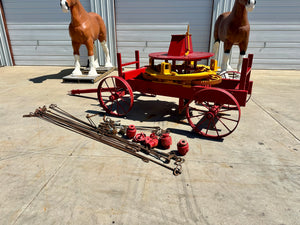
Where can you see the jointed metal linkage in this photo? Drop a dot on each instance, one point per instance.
(106, 132)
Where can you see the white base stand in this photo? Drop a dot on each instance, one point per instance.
(101, 73)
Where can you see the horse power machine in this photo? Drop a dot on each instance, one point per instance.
(211, 103)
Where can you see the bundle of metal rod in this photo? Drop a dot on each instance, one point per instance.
(106, 132)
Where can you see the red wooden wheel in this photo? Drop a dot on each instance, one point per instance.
(214, 113)
(115, 95)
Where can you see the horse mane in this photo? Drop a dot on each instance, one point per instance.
(78, 14)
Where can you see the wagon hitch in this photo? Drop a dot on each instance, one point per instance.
(106, 132)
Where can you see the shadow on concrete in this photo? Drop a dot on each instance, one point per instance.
(155, 111)
(150, 111)
(59, 75)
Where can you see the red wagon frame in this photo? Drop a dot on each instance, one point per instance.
(211, 111)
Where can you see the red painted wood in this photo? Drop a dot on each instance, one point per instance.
(180, 44)
(80, 91)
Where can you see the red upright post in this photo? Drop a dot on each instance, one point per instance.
(250, 57)
(244, 74)
(137, 59)
(119, 65)
(250, 61)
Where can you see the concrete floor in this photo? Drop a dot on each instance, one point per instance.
(49, 175)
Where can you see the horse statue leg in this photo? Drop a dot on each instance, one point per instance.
(243, 48)
(90, 47)
(106, 52)
(96, 57)
(225, 63)
(77, 70)
(241, 57)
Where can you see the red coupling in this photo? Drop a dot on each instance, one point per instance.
(131, 131)
(140, 137)
(151, 141)
(182, 147)
(165, 140)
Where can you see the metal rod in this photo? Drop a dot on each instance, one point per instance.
(105, 133)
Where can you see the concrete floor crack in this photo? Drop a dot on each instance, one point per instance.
(282, 125)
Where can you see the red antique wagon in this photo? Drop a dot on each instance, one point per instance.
(211, 110)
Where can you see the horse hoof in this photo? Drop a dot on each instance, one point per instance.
(229, 68)
(76, 73)
(96, 64)
(92, 72)
(108, 65)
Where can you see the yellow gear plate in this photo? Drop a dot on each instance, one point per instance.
(201, 76)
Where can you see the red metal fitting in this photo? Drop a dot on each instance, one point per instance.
(182, 147)
(165, 140)
(151, 141)
(140, 137)
(130, 132)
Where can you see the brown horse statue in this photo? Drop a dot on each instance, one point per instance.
(85, 28)
(233, 28)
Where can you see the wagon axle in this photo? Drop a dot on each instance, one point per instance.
(213, 112)
(116, 96)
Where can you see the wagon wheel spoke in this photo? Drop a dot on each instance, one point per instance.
(225, 118)
(215, 126)
(107, 101)
(197, 116)
(114, 83)
(219, 119)
(128, 104)
(200, 123)
(201, 112)
(120, 106)
(208, 127)
(212, 126)
(205, 105)
(110, 107)
(110, 90)
(228, 108)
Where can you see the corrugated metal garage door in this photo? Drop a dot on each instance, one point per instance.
(5, 57)
(147, 25)
(275, 35)
(39, 32)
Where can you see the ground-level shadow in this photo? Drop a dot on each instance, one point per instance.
(58, 75)
(153, 110)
